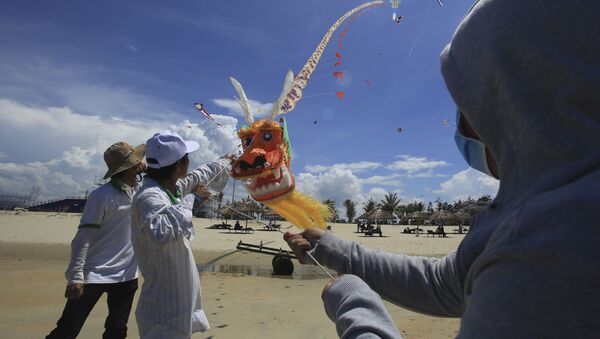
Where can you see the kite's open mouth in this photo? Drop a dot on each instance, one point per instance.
(271, 184)
(253, 164)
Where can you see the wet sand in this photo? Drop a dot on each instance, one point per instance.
(34, 252)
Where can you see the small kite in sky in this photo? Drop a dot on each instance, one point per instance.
(369, 83)
(339, 57)
(395, 3)
(399, 130)
(446, 122)
(338, 75)
(207, 115)
(340, 95)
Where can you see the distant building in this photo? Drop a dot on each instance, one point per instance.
(10, 201)
(68, 205)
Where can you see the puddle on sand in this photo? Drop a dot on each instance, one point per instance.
(301, 272)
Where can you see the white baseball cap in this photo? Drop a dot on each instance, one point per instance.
(167, 147)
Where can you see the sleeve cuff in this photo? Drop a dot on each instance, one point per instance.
(330, 251)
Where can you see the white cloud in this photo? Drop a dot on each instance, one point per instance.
(376, 193)
(334, 184)
(355, 167)
(413, 166)
(257, 108)
(387, 180)
(468, 183)
(61, 150)
(132, 47)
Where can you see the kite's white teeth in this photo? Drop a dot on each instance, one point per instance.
(280, 174)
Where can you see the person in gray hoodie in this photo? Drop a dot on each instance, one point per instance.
(525, 76)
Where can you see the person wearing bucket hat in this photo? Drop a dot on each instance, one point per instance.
(102, 257)
(161, 231)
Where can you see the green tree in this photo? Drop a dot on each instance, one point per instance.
(369, 206)
(485, 198)
(390, 203)
(415, 207)
(334, 212)
(350, 209)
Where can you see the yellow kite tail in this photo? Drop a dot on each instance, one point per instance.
(301, 210)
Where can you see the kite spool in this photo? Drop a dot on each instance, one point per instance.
(282, 265)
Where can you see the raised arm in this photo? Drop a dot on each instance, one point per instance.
(214, 175)
(426, 285)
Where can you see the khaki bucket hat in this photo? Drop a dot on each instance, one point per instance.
(122, 156)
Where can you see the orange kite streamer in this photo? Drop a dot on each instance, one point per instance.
(339, 75)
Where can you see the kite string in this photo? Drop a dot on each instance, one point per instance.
(412, 48)
(263, 223)
(318, 95)
(280, 231)
(222, 169)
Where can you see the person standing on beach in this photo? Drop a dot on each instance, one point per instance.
(102, 259)
(525, 76)
(170, 303)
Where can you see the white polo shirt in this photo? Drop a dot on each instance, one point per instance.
(101, 251)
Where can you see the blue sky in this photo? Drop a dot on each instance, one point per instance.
(78, 76)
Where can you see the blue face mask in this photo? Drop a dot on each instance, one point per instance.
(472, 150)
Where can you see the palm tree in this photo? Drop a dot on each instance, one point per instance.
(415, 207)
(390, 203)
(350, 209)
(369, 206)
(334, 212)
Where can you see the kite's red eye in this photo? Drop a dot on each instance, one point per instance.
(267, 136)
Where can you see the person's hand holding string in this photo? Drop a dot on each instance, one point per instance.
(202, 191)
(301, 243)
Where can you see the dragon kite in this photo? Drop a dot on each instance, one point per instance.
(265, 164)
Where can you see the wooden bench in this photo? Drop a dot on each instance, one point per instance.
(434, 233)
(374, 231)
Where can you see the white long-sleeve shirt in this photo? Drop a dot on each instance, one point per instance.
(170, 303)
(101, 251)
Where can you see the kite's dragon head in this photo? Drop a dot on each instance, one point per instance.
(266, 158)
(265, 162)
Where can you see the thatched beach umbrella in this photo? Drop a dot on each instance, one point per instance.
(377, 215)
(441, 216)
(418, 217)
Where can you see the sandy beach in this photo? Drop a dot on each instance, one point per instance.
(240, 296)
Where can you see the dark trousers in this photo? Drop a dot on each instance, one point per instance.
(119, 299)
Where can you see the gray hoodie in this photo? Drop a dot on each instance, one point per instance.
(526, 75)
